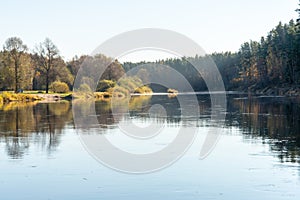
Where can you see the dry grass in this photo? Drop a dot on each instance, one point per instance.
(12, 97)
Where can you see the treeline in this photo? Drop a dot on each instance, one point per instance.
(33, 124)
(38, 69)
(22, 70)
(274, 61)
(44, 69)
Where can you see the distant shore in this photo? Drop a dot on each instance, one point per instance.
(6, 97)
(278, 91)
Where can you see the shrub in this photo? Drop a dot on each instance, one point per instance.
(84, 88)
(103, 96)
(59, 87)
(118, 91)
(172, 91)
(130, 83)
(104, 85)
(143, 90)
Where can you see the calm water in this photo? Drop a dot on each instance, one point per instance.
(257, 156)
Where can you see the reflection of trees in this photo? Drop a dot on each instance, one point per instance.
(171, 106)
(16, 146)
(139, 106)
(24, 124)
(109, 113)
(52, 118)
(275, 119)
(84, 110)
(41, 124)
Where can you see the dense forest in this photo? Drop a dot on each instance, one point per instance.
(274, 61)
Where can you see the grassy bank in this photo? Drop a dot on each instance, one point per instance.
(122, 90)
(31, 96)
(105, 96)
(6, 97)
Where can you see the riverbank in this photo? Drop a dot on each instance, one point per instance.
(6, 97)
(277, 91)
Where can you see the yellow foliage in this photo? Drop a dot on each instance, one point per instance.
(9, 97)
(143, 90)
(104, 96)
(59, 87)
(15, 105)
(172, 91)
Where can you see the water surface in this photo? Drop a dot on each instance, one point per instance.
(257, 156)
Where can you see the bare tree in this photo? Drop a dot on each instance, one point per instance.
(47, 53)
(15, 48)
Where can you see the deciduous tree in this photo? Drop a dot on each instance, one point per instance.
(47, 53)
(15, 48)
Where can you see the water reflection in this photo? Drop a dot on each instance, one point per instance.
(274, 121)
(28, 124)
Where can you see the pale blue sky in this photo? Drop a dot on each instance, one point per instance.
(78, 27)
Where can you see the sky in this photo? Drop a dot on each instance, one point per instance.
(78, 27)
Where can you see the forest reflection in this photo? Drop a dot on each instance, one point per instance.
(274, 121)
(25, 124)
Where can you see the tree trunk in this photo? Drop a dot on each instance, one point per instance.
(47, 82)
(16, 77)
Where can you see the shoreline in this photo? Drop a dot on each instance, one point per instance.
(293, 91)
(23, 97)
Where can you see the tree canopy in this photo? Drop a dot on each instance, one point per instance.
(274, 61)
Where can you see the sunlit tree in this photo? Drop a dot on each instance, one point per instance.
(15, 48)
(47, 54)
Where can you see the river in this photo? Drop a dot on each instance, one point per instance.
(257, 155)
